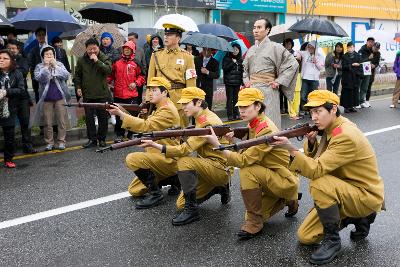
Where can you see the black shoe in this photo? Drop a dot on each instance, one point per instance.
(155, 196)
(102, 144)
(362, 226)
(28, 149)
(353, 110)
(152, 199)
(293, 206)
(225, 193)
(190, 213)
(90, 143)
(243, 235)
(330, 245)
(347, 110)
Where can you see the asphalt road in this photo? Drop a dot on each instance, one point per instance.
(116, 234)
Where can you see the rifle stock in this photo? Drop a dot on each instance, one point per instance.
(221, 130)
(295, 131)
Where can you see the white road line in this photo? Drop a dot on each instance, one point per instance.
(102, 200)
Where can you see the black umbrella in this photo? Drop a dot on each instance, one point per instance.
(207, 40)
(318, 26)
(106, 13)
(70, 35)
(6, 27)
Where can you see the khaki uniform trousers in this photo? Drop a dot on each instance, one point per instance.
(327, 191)
(209, 174)
(161, 166)
(276, 189)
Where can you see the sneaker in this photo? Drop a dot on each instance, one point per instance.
(368, 104)
(49, 148)
(61, 147)
(119, 139)
(364, 105)
(392, 106)
(9, 164)
(358, 107)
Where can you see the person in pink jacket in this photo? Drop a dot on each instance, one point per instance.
(127, 77)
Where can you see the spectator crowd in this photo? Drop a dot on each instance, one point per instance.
(108, 74)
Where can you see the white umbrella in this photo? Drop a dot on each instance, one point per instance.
(379, 36)
(281, 32)
(179, 20)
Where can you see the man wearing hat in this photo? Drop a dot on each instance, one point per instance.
(344, 180)
(151, 167)
(201, 176)
(266, 183)
(174, 64)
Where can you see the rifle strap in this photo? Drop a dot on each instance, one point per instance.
(323, 144)
(158, 65)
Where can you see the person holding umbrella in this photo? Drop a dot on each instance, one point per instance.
(207, 69)
(34, 59)
(312, 62)
(174, 64)
(269, 66)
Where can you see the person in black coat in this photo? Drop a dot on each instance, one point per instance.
(207, 69)
(11, 88)
(232, 66)
(61, 54)
(352, 74)
(24, 103)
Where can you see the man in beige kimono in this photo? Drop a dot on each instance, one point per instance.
(268, 66)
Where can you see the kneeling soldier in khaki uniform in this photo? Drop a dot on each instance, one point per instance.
(344, 179)
(266, 183)
(201, 176)
(152, 167)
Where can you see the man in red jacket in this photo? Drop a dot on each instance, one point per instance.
(127, 76)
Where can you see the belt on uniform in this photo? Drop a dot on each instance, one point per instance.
(177, 86)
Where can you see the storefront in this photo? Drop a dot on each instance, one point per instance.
(240, 15)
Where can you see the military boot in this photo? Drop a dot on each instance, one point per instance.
(330, 245)
(293, 206)
(175, 188)
(362, 226)
(224, 191)
(254, 221)
(154, 196)
(190, 212)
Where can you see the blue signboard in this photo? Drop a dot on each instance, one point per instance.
(275, 6)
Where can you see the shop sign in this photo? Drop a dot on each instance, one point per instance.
(275, 6)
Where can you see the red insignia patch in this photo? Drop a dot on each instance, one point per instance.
(253, 123)
(261, 126)
(336, 131)
(202, 119)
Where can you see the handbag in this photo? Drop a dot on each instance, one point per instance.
(4, 112)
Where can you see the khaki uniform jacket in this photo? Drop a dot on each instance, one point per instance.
(198, 143)
(275, 159)
(348, 156)
(164, 117)
(178, 65)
